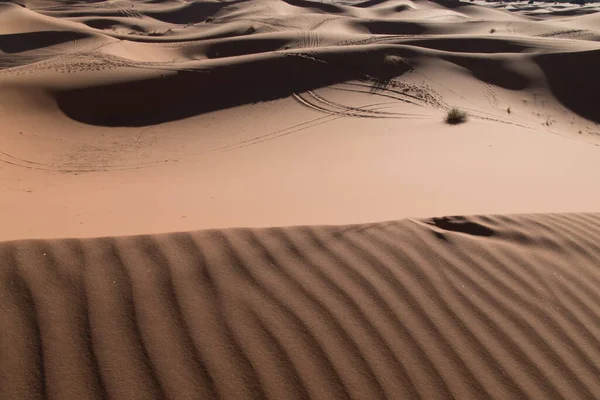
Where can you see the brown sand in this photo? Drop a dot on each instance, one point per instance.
(142, 117)
(463, 307)
(120, 118)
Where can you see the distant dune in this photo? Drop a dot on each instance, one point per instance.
(502, 307)
(272, 49)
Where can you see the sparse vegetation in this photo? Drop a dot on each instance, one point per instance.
(508, 110)
(492, 30)
(393, 60)
(456, 116)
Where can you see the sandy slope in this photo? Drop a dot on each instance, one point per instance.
(124, 117)
(463, 307)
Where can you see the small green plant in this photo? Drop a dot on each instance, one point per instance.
(508, 110)
(456, 116)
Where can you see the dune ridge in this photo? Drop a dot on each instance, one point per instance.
(481, 307)
(148, 116)
(258, 49)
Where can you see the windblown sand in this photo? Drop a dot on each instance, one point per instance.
(143, 117)
(465, 308)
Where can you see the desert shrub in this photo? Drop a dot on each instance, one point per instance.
(393, 60)
(456, 116)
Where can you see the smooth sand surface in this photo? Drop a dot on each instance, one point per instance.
(120, 118)
(490, 307)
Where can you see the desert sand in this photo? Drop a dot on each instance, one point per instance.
(464, 308)
(149, 148)
(121, 118)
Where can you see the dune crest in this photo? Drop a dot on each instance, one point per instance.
(258, 47)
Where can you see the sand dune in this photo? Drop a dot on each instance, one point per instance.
(500, 307)
(121, 118)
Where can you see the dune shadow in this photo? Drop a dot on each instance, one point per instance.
(469, 45)
(188, 14)
(574, 12)
(461, 225)
(189, 93)
(492, 71)
(573, 78)
(245, 46)
(451, 4)
(20, 42)
(369, 3)
(385, 27)
(109, 23)
(317, 6)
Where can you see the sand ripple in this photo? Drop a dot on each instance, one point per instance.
(461, 307)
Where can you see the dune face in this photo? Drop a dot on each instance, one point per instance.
(221, 48)
(571, 79)
(174, 97)
(461, 307)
